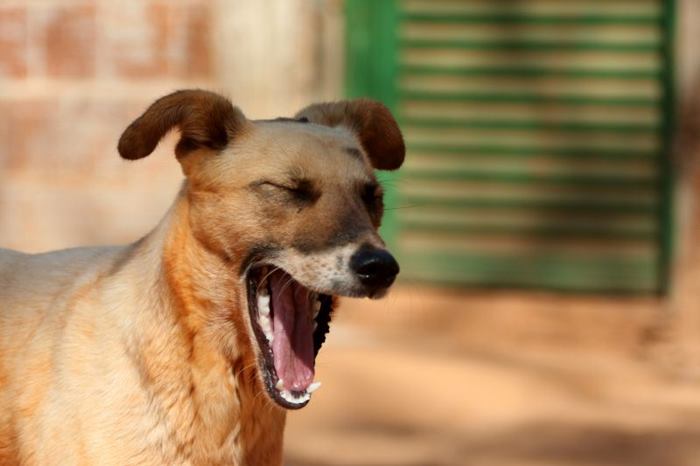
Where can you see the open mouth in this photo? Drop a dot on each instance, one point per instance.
(290, 323)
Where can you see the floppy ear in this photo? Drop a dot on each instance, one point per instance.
(205, 120)
(371, 121)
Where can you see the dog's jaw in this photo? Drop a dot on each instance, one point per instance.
(289, 323)
(290, 297)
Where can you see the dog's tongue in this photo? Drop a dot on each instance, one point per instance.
(292, 325)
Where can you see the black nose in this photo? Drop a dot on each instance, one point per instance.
(375, 268)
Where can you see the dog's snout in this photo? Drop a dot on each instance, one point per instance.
(375, 268)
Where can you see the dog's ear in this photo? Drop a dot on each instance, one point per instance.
(371, 121)
(205, 120)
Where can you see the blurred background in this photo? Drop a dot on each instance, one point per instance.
(546, 220)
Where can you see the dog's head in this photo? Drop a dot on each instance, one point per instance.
(294, 204)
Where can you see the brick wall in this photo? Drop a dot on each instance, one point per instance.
(74, 73)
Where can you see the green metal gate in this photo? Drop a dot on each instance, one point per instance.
(538, 137)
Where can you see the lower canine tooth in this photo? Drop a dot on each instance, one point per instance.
(279, 385)
(313, 387)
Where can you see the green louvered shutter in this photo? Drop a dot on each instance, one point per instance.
(538, 137)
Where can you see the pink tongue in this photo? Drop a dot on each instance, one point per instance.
(292, 326)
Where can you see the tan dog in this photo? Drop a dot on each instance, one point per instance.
(187, 346)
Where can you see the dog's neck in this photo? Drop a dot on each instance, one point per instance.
(207, 372)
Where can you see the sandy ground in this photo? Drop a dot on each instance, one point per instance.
(439, 377)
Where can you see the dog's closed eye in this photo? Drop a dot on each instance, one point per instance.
(299, 190)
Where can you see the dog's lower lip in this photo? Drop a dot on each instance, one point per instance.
(261, 294)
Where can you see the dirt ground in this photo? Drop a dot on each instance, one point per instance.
(439, 377)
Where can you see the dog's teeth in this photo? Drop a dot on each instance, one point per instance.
(294, 399)
(264, 317)
(317, 307)
(313, 387)
(264, 304)
(315, 325)
(266, 326)
(279, 385)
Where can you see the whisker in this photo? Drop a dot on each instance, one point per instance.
(245, 368)
(275, 269)
(289, 282)
(263, 395)
(406, 206)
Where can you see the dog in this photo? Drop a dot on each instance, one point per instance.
(188, 346)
